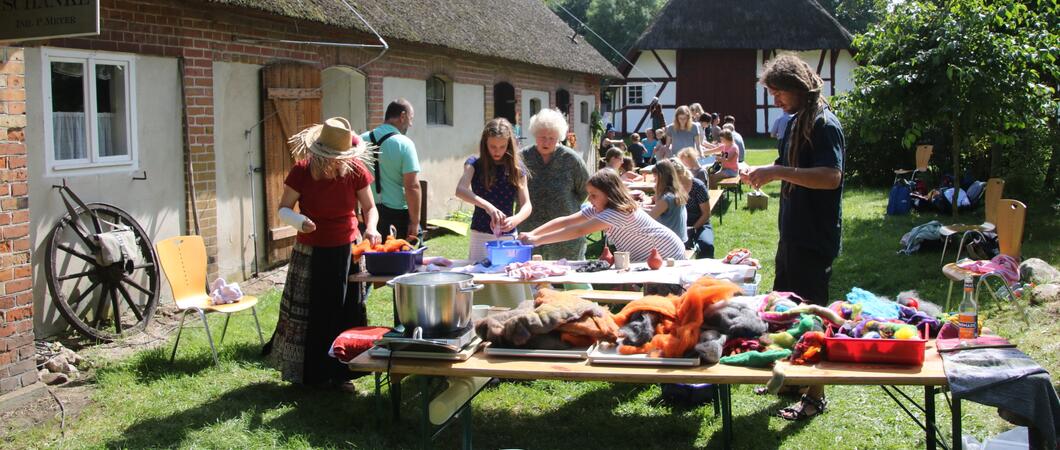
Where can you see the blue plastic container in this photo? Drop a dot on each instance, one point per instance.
(393, 263)
(504, 252)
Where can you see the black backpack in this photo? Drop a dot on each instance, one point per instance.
(981, 245)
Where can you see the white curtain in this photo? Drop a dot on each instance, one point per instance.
(70, 138)
(69, 131)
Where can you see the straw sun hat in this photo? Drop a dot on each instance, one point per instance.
(333, 139)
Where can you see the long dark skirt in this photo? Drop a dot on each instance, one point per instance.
(318, 304)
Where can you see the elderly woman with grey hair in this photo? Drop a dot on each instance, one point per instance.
(557, 181)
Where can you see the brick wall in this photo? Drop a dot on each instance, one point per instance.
(201, 33)
(17, 367)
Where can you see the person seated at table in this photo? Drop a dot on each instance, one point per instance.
(649, 143)
(689, 158)
(615, 159)
(729, 157)
(697, 209)
(613, 211)
(670, 199)
(664, 148)
(495, 182)
(637, 150)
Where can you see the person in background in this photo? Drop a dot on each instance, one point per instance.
(572, 140)
(658, 120)
(397, 184)
(328, 182)
(611, 209)
(728, 155)
(730, 123)
(689, 158)
(704, 124)
(810, 169)
(697, 110)
(780, 126)
(697, 208)
(637, 150)
(557, 178)
(715, 128)
(610, 140)
(649, 146)
(670, 199)
(662, 150)
(495, 182)
(615, 159)
(684, 132)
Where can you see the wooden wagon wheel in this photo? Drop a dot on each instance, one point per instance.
(101, 302)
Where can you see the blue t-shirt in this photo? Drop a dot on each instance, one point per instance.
(650, 147)
(501, 195)
(675, 218)
(397, 157)
(812, 218)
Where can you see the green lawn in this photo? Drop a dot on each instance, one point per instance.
(145, 401)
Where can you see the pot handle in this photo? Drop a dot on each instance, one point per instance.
(472, 287)
(394, 280)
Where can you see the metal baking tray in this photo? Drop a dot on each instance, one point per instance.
(574, 353)
(462, 355)
(608, 354)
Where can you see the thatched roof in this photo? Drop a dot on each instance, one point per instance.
(520, 30)
(743, 24)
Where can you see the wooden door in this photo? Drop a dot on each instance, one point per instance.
(292, 102)
(723, 81)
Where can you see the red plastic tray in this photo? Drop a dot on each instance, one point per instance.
(908, 352)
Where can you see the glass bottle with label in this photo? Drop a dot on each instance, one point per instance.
(968, 313)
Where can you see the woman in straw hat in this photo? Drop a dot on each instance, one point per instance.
(329, 181)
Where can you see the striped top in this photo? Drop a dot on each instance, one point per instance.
(637, 233)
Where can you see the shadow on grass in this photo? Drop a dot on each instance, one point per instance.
(152, 365)
(759, 420)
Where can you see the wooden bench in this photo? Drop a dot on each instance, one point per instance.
(715, 198)
(732, 186)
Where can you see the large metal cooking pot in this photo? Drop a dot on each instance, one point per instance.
(438, 303)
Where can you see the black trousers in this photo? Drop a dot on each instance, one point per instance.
(335, 305)
(803, 271)
(399, 218)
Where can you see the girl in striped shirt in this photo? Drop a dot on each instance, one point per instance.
(614, 212)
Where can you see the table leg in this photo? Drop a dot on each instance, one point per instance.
(726, 415)
(929, 416)
(425, 421)
(466, 416)
(955, 423)
(395, 396)
(378, 398)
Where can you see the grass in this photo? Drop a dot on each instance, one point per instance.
(144, 401)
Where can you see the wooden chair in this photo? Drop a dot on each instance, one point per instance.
(183, 260)
(1010, 216)
(994, 188)
(923, 158)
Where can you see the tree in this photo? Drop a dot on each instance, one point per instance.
(618, 22)
(969, 69)
(856, 15)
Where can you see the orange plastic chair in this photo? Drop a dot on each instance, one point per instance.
(183, 260)
(994, 188)
(1010, 216)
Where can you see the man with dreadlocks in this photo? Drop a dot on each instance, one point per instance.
(810, 168)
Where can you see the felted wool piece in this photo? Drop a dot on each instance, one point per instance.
(735, 320)
(639, 329)
(735, 346)
(515, 327)
(596, 328)
(710, 346)
(809, 349)
(665, 307)
(702, 293)
(793, 314)
(756, 359)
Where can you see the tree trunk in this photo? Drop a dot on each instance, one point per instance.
(995, 160)
(1053, 172)
(956, 166)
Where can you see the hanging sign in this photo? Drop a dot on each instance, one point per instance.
(22, 20)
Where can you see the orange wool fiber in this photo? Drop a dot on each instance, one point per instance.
(704, 292)
(666, 307)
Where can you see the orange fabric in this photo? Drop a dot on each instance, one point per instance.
(673, 340)
(593, 327)
(666, 307)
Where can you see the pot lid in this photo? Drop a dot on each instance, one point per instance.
(432, 278)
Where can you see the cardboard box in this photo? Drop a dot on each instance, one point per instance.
(757, 200)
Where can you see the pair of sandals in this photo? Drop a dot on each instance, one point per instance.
(805, 408)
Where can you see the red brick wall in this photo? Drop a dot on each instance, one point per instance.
(17, 365)
(203, 32)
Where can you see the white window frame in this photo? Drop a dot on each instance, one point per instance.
(93, 163)
(639, 96)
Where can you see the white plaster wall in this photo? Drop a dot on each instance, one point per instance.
(157, 203)
(843, 81)
(442, 149)
(344, 95)
(524, 116)
(647, 66)
(585, 147)
(237, 108)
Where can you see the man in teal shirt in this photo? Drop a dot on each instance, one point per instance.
(397, 167)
